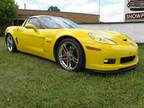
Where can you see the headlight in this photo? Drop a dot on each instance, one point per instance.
(101, 39)
(105, 40)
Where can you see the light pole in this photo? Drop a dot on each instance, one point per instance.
(99, 6)
(24, 5)
(99, 9)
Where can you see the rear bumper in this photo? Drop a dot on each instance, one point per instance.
(95, 59)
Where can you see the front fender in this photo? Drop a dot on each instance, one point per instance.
(11, 30)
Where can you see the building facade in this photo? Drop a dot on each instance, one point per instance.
(79, 18)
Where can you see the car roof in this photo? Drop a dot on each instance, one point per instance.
(37, 16)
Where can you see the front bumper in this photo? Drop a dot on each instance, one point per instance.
(95, 60)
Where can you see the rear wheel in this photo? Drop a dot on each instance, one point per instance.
(10, 44)
(70, 55)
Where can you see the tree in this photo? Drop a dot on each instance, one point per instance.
(8, 11)
(53, 9)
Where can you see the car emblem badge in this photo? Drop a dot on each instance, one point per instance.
(125, 39)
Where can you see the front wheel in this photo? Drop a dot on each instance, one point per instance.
(70, 55)
(10, 44)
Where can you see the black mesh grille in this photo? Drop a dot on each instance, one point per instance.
(127, 59)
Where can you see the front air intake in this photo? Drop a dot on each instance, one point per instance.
(127, 59)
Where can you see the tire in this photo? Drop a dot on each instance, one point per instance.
(70, 55)
(11, 46)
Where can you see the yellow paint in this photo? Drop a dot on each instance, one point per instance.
(41, 42)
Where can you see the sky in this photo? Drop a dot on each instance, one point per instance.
(110, 11)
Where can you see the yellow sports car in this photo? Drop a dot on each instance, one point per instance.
(61, 40)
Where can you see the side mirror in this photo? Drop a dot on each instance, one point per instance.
(31, 26)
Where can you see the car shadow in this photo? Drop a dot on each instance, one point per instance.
(111, 73)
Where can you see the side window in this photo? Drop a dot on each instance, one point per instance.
(35, 22)
(25, 22)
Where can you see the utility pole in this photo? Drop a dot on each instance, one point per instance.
(99, 9)
(24, 5)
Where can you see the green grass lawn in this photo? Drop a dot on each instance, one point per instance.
(27, 81)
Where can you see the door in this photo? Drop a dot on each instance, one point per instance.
(31, 41)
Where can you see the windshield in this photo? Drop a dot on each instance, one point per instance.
(57, 22)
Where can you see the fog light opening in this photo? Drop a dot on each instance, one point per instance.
(106, 61)
(109, 61)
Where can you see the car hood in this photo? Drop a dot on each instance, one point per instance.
(119, 38)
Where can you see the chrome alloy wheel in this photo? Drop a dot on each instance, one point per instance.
(10, 43)
(68, 56)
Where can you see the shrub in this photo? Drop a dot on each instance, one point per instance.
(8, 12)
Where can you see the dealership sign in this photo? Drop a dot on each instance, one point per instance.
(134, 10)
(134, 16)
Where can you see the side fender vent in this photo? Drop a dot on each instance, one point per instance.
(16, 40)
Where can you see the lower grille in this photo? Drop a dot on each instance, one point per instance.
(127, 59)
